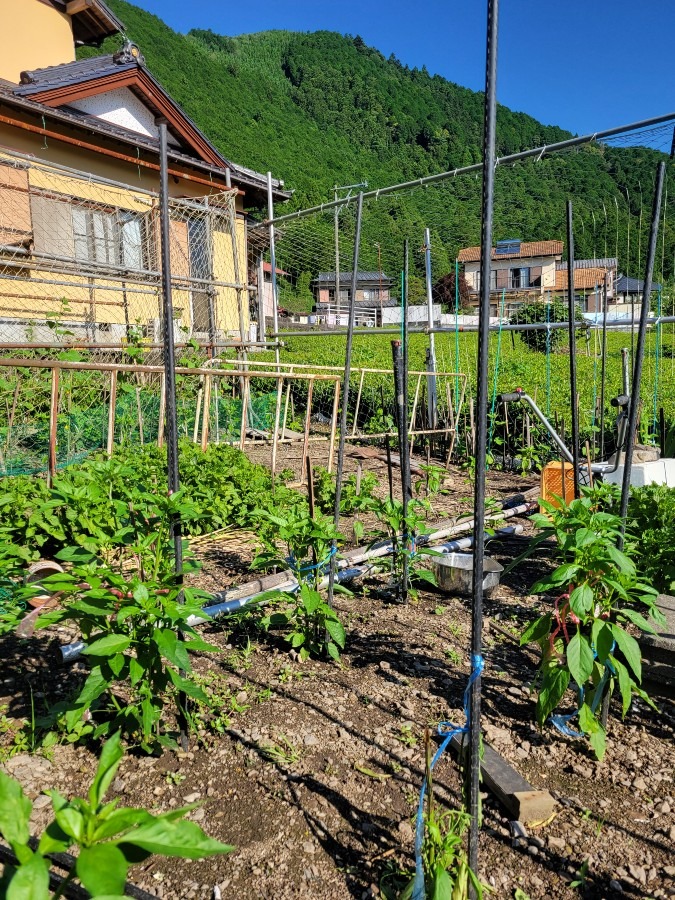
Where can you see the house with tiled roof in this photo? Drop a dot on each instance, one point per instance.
(520, 271)
(79, 178)
(373, 296)
(594, 279)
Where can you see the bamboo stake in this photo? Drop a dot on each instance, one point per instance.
(53, 425)
(112, 409)
(308, 415)
(275, 434)
(141, 423)
(358, 402)
(162, 410)
(198, 411)
(207, 410)
(244, 414)
(333, 426)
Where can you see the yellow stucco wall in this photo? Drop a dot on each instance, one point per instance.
(35, 292)
(35, 35)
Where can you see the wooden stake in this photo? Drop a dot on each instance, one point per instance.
(139, 409)
(308, 415)
(333, 426)
(207, 411)
(112, 404)
(53, 425)
(162, 410)
(244, 414)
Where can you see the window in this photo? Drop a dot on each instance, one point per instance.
(519, 278)
(96, 236)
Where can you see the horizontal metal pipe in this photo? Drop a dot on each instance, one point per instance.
(539, 152)
(452, 329)
(94, 345)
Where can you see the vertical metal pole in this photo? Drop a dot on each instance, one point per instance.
(402, 424)
(404, 339)
(261, 300)
(603, 371)
(640, 350)
(53, 426)
(345, 390)
(169, 347)
(431, 354)
(573, 348)
(273, 264)
(275, 318)
(482, 430)
(337, 261)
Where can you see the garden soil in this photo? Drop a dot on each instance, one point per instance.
(315, 774)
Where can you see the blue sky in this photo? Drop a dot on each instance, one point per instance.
(585, 65)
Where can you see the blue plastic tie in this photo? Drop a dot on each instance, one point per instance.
(560, 721)
(312, 566)
(477, 666)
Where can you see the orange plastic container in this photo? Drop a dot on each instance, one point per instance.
(552, 482)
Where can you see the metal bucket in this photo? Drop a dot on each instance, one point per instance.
(454, 574)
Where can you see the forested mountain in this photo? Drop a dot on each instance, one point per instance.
(320, 109)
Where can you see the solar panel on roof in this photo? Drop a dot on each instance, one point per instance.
(508, 247)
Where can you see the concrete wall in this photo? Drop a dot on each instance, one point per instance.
(35, 35)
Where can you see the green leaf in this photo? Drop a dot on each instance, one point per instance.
(108, 645)
(536, 630)
(172, 648)
(102, 869)
(183, 839)
(111, 755)
(552, 690)
(297, 639)
(625, 685)
(188, 687)
(15, 810)
(630, 649)
(603, 641)
(332, 650)
(581, 600)
(72, 822)
(598, 741)
(336, 630)
(441, 885)
(638, 620)
(580, 658)
(54, 839)
(31, 881)
(141, 594)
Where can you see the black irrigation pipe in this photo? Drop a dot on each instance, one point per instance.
(640, 351)
(67, 862)
(573, 348)
(538, 152)
(345, 397)
(490, 122)
(510, 326)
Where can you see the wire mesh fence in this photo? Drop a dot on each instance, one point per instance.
(80, 260)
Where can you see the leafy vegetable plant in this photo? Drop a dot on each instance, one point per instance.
(403, 529)
(598, 594)
(138, 642)
(109, 839)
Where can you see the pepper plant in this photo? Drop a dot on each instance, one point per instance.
(138, 641)
(403, 528)
(109, 840)
(313, 627)
(585, 641)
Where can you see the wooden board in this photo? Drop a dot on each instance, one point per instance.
(524, 803)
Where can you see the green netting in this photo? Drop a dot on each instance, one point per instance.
(24, 447)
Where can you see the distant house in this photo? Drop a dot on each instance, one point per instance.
(521, 270)
(591, 278)
(267, 288)
(373, 296)
(631, 290)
